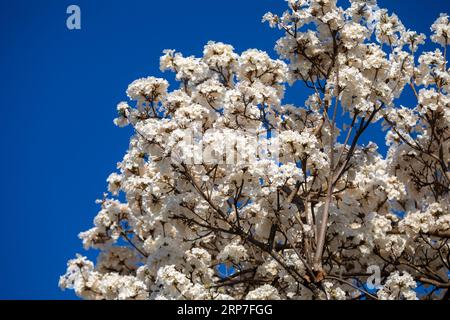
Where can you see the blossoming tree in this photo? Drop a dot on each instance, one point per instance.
(316, 214)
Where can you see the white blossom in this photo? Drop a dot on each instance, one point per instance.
(150, 88)
(265, 292)
(441, 30)
(398, 286)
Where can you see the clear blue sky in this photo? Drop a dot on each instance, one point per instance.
(59, 89)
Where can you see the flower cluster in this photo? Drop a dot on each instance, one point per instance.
(398, 287)
(221, 173)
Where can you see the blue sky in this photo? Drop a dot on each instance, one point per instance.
(59, 89)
